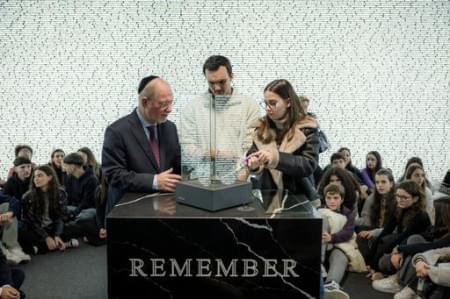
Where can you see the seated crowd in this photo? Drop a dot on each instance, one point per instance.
(47, 207)
(396, 231)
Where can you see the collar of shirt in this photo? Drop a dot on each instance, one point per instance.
(145, 124)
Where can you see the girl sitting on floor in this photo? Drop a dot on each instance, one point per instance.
(377, 209)
(408, 219)
(43, 211)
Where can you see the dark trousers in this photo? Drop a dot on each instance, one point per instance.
(114, 195)
(407, 271)
(381, 247)
(364, 246)
(29, 238)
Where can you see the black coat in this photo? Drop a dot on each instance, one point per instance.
(33, 221)
(16, 187)
(294, 160)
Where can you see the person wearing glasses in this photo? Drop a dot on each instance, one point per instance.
(216, 123)
(409, 218)
(285, 148)
(141, 151)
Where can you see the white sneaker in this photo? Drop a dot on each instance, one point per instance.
(72, 243)
(333, 291)
(3, 249)
(17, 251)
(11, 258)
(405, 293)
(387, 285)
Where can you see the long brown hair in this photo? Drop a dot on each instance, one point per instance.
(442, 212)
(410, 170)
(389, 199)
(295, 112)
(406, 215)
(53, 193)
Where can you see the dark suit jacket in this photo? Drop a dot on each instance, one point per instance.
(127, 159)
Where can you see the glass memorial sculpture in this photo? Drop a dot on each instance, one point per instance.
(214, 140)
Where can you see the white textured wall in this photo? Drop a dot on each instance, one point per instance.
(377, 71)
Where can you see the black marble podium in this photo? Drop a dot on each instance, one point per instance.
(269, 248)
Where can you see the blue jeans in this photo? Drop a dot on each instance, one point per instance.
(322, 290)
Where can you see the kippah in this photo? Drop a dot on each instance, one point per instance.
(145, 81)
(21, 160)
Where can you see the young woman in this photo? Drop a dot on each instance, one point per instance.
(90, 161)
(345, 151)
(285, 146)
(43, 208)
(438, 236)
(56, 160)
(377, 209)
(373, 164)
(344, 178)
(409, 218)
(416, 173)
(412, 160)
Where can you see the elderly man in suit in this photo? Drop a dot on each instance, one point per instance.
(141, 151)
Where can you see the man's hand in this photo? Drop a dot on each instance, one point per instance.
(51, 244)
(10, 293)
(166, 180)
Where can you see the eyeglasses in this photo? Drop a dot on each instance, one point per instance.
(402, 197)
(271, 105)
(165, 105)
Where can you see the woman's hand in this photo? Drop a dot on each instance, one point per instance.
(60, 244)
(265, 157)
(6, 218)
(253, 162)
(365, 234)
(396, 260)
(51, 244)
(102, 233)
(9, 293)
(422, 269)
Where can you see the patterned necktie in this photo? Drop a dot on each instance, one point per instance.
(154, 142)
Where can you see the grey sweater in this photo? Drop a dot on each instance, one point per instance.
(439, 273)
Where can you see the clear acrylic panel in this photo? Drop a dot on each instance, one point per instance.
(214, 139)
